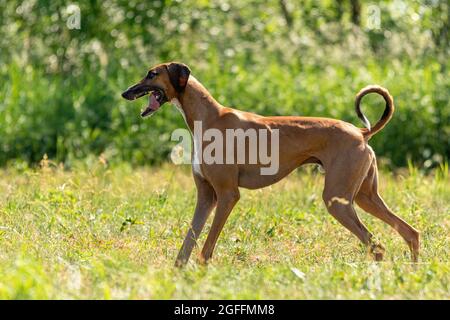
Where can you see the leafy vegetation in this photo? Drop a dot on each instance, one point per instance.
(114, 232)
(60, 87)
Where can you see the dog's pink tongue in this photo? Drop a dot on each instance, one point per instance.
(153, 104)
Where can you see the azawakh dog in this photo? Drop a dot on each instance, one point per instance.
(339, 147)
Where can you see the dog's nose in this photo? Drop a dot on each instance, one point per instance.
(126, 95)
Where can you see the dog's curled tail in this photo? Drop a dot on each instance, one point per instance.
(387, 114)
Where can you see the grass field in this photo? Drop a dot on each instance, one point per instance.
(97, 232)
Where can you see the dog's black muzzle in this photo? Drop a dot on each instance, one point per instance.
(140, 90)
(136, 91)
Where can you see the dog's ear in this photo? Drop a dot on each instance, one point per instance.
(178, 75)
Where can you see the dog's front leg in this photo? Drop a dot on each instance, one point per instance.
(206, 201)
(226, 200)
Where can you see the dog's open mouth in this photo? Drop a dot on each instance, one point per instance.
(155, 100)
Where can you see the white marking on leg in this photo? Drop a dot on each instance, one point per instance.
(196, 159)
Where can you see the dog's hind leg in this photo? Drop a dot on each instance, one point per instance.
(206, 201)
(369, 200)
(343, 178)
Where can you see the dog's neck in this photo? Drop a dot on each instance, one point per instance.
(197, 104)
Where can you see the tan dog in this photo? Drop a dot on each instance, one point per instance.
(339, 147)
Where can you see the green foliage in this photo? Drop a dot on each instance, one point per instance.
(99, 232)
(60, 88)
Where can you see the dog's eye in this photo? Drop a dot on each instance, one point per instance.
(151, 74)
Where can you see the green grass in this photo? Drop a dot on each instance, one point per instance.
(98, 232)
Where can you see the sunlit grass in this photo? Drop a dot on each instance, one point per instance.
(100, 232)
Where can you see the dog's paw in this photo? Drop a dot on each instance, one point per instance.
(202, 260)
(377, 251)
(179, 263)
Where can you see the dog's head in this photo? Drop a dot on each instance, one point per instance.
(163, 83)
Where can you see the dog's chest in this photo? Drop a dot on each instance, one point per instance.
(196, 158)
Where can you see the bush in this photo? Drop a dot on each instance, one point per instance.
(60, 88)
